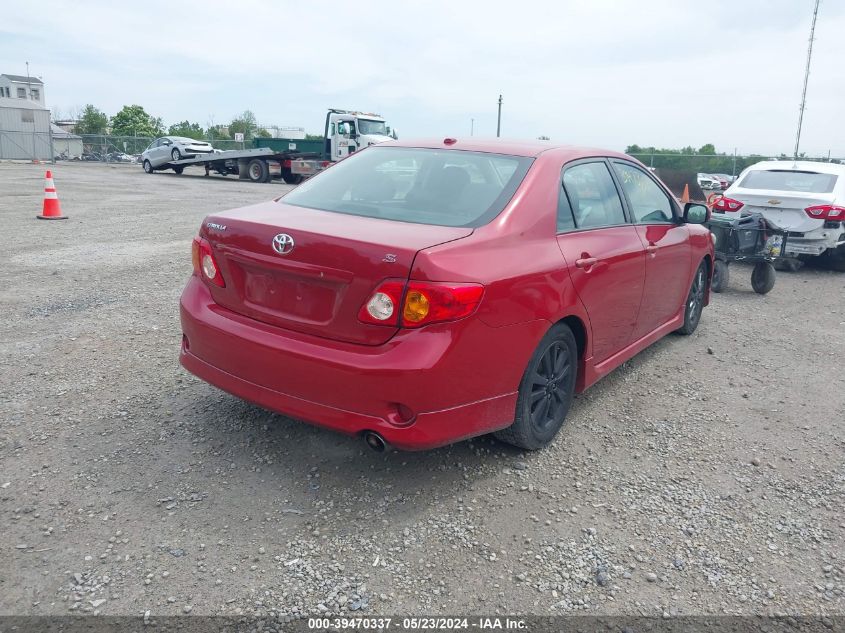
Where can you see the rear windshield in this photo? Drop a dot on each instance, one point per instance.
(788, 180)
(424, 186)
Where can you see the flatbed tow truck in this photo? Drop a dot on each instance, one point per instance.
(293, 160)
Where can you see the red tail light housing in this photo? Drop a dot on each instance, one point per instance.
(205, 266)
(420, 303)
(829, 212)
(727, 204)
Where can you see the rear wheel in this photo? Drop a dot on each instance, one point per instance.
(291, 178)
(695, 301)
(836, 258)
(721, 276)
(545, 392)
(789, 264)
(178, 168)
(258, 171)
(763, 277)
(148, 167)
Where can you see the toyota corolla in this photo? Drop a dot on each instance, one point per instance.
(417, 294)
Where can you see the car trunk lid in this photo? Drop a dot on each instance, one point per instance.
(332, 269)
(783, 210)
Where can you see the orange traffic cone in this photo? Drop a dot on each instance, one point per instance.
(685, 195)
(51, 210)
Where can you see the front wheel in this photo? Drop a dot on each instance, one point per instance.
(763, 277)
(148, 167)
(545, 392)
(178, 168)
(695, 301)
(176, 154)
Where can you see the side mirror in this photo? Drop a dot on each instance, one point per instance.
(393, 134)
(695, 213)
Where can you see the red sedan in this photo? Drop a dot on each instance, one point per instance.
(420, 293)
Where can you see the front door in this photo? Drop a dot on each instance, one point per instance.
(603, 252)
(666, 242)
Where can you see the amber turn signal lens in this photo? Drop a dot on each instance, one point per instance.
(416, 306)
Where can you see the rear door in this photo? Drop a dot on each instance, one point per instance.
(603, 252)
(666, 243)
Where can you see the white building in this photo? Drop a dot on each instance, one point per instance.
(22, 87)
(25, 132)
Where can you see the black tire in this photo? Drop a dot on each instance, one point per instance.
(258, 171)
(291, 179)
(178, 168)
(721, 276)
(695, 301)
(835, 258)
(175, 154)
(148, 167)
(763, 277)
(788, 264)
(545, 391)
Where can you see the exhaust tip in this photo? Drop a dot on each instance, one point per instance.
(375, 441)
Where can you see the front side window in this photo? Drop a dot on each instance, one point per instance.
(592, 196)
(647, 202)
(35, 94)
(424, 186)
(21, 93)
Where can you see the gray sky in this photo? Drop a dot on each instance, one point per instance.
(597, 72)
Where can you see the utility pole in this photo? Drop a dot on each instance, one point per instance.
(733, 171)
(499, 122)
(806, 78)
(471, 126)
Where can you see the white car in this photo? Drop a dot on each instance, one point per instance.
(803, 197)
(706, 181)
(168, 149)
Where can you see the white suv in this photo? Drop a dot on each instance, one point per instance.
(802, 197)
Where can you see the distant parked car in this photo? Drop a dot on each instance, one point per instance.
(805, 198)
(168, 149)
(423, 293)
(721, 180)
(706, 181)
(726, 179)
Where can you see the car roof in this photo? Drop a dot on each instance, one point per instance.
(799, 165)
(512, 147)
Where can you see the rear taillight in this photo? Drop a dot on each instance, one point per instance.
(204, 262)
(421, 303)
(727, 204)
(826, 212)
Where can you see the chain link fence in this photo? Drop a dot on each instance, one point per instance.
(727, 164)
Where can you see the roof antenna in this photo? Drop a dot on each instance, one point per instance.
(806, 77)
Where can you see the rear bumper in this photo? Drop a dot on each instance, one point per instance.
(814, 242)
(423, 388)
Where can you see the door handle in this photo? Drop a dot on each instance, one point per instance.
(651, 249)
(586, 262)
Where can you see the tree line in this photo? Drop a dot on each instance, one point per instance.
(133, 120)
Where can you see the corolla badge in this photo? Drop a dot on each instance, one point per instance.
(773, 201)
(283, 244)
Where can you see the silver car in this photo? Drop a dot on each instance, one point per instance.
(168, 149)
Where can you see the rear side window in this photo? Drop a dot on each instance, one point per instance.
(592, 196)
(424, 186)
(789, 180)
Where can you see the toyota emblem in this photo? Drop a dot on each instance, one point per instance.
(283, 244)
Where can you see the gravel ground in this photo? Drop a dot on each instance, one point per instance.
(704, 477)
